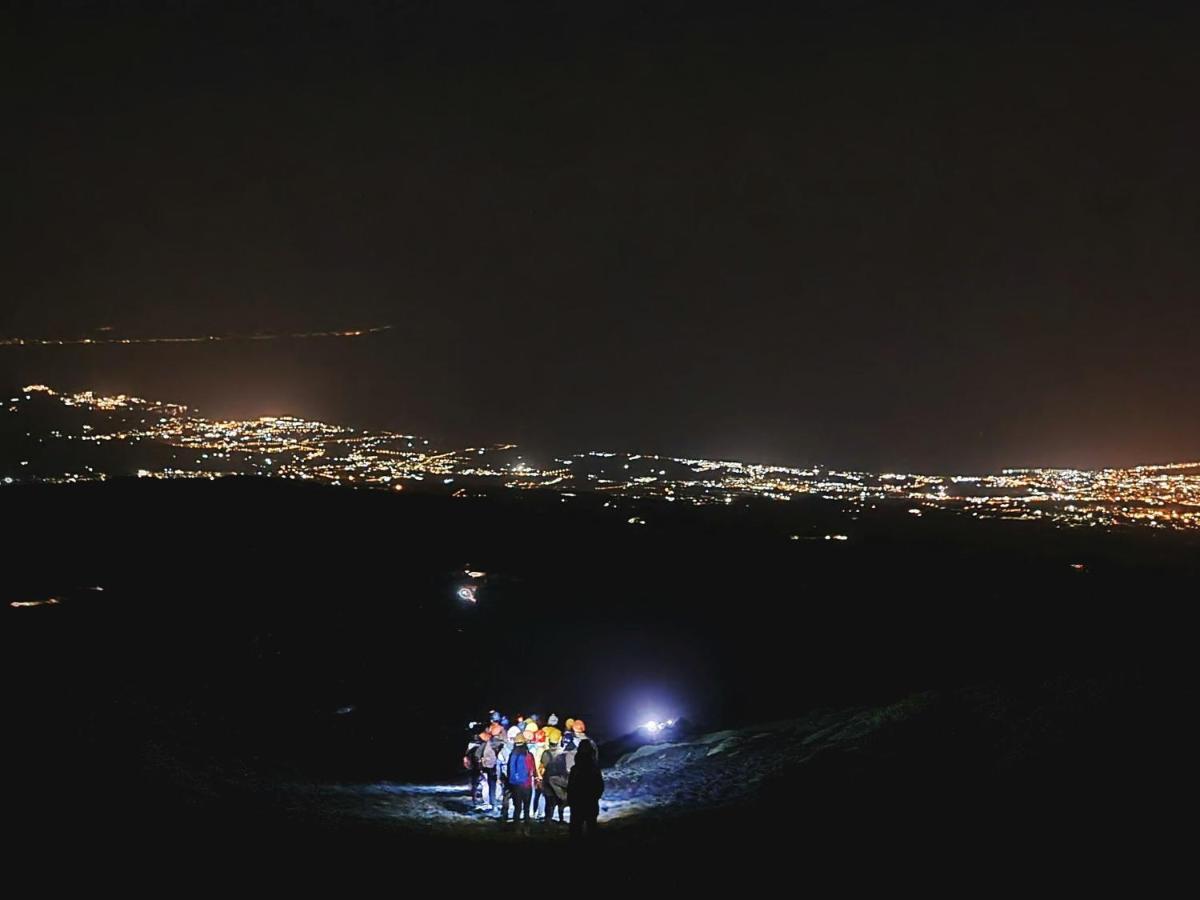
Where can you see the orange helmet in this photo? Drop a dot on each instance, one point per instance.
(539, 737)
(578, 727)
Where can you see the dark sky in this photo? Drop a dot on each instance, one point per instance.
(955, 235)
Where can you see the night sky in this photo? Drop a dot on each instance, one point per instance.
(939, 237)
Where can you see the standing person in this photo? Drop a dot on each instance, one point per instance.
(520, 780)
(553, 734)
(487, 765)
(554, 774)
(471, 764)
(537, 746)
(585, 787)
(503, 752)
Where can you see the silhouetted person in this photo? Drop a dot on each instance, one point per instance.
(585, 787)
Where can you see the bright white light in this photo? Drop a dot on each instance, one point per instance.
(466, 592)
(652, 726)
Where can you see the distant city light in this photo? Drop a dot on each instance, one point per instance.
(1165, 496)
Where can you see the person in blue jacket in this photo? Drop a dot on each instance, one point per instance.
(520, 780)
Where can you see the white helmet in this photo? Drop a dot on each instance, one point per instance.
(513, 732)
(553, 720)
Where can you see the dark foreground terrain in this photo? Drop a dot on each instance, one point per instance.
(270, 663)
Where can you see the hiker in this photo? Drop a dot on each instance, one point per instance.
(520, 780)
(554, 771)
(585, 787)
(530, 732)
(504, 749)
(537, 747)
(487, 763)
(553, 734)
(474, 773)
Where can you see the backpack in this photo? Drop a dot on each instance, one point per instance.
(519, 769)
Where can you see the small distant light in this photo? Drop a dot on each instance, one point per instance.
(467, 593)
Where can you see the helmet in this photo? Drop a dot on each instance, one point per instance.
(494, 715)
(570, 724)
(530, 727)
(495, 728)
(521, 739)
(483, 736)
(514, 733)
(578, 727)
(553, 720)
(539, 737)
(504, 721)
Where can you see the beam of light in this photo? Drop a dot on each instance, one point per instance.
(20, 604)
(193, 339)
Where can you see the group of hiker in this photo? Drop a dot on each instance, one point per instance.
(536, 771)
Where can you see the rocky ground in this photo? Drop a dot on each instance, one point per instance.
(929, 762)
